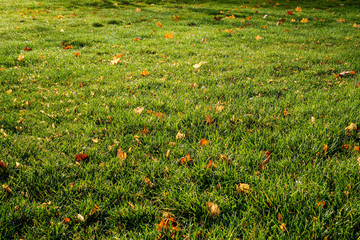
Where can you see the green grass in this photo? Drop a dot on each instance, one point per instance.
(279, 94)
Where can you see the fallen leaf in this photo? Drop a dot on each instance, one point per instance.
(225, 158)
(68, 47)
(204, 142)
(280, 217)
(298, 9)
(351, 128)
(219, 108)
(292, 20)
(217, 18)
(283, 227)
(159, 24)
(81, 157)
(169, 36)
(167, 223)
(247, 18)
(137, 10)
(304, 20)
(312, 119)
(131, 205)
(20, 58)
(168, 153)
(80, 217)
(148, 182)
(176, 18)
(3, 165)
(213, 209)
(77, 54)
(340, 20)
(139, 110)
(8, 91)
(210, 165)
(136, 39)
(266, 15)
(66, 220)
(7, 188)
(203, 40)
(120, 154)
(285, 113)
(243, 188)
(342, 74)
(258, 37)
(264, 163)
(27, 49)
(145, 131)
(116, 59)
(185, 160)
(357, 148)
(95, 140)
(198, 65)
(180, 136)
(209, 120)
(145, 73)
(289, 13)
(325, 148)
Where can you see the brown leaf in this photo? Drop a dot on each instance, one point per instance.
(213, 209)
(27, 49)
(280, 217)
(121, 155)
(225, 158)
(209, 120)
(7, 188)
(266, 161)
(81, 157)
(3, 165)
(148, 182)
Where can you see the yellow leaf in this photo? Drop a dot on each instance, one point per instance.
(325, 148)
(95, 140)
(341, 20)
(77, 54)
(7, 188)
(243, 188)
(292, 20)
(213, 209)
(198, 65)
(168, 153)
(219, 108)
(148, 182)
(20, 58)
(258, 37)
(116, 59)
(351, 128)
(283, 227)
(137, 10)
(298, 9)
(8, 91)
(304, 20)
(159, 24)
(139, 110)
(121, 155)
(169, 36)
(204, 142)
(312, 119)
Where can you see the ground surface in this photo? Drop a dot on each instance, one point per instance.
(184, 119)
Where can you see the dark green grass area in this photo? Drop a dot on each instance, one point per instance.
(267, 97)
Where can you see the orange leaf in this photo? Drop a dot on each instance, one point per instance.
(357, 148)
(145, 131)
(81, 157)
(116, 59)
(204, 142)
(27, 49)
(137, 10)
(120, 154)
(66, 220)
(247, 18)
(68, 47)
(77, 54)
(210, 165)
(159, 24)
(176, 18)
(258, 37)
(145, 73)
(289, 13)
(136, 39)
(304, 20)
(298, 9)
(280, 217)
(285, 113)
(169, 36)
(325, 148)
(185, 160)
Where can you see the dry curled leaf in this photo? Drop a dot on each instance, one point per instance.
(351, 128)
(7, 188)
(346, 73)
(243, 188)
(185, 160)
(3, 165)
(168, 153)
(266, 161)
(81, 157)
(121, 155)
(139, 110)
(180, 136)
(213, 209)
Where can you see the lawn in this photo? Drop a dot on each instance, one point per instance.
(179, 119)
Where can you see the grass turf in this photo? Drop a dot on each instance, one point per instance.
(104, 75)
